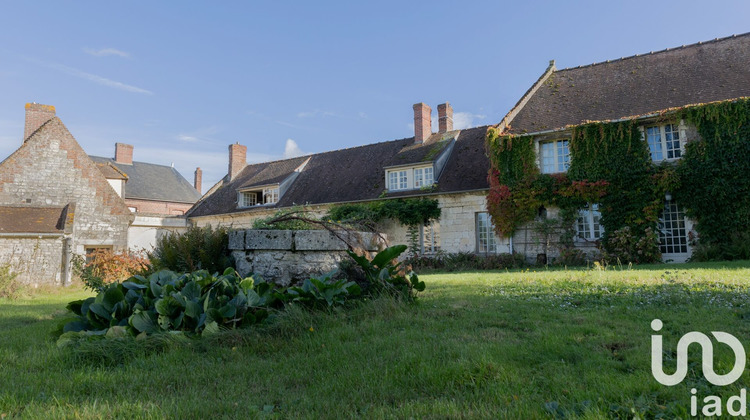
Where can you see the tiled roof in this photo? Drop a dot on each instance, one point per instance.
(110, 171)
(638, 85)
(425, 152)
(270, 173)
(355, 174)
(149, 181)
(31, 219)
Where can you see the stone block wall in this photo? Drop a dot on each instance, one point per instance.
(287, 257)
(35, 260)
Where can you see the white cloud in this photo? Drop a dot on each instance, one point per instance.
(291, 149)
(362, 115)
(463, 120)
(189, 139)
(316, 113)
(106, 52)
(92, 77)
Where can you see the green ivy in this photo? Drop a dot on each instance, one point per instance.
(611, 165)
(715, 186)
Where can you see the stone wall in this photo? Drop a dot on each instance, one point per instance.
(288, 257)
(35, 260)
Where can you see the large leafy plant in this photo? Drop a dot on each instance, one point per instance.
(323, 291)
(194, 303)
(384, 273)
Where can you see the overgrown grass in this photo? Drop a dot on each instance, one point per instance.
(523, 344)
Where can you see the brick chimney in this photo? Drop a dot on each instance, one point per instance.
(237, 159)
(198, 180)
(445, 118)
(422, 122)
(36, 116)
(124, 153)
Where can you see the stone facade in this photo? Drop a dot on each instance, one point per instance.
(51, 169)
(288, 257)
(36, 259)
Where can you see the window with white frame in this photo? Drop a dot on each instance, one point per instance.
(555, 156)
(398, 180)
(423, 177)
(248, 198)
(664, 142)
(270, 195)
(673, 234)
(430, 238)
(486, 243)
(587, 225)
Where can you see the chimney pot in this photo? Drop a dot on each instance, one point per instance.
(445, 118)
(124, 153)
(422, 122)
(237, 159)
(198, 180)
(36, 116)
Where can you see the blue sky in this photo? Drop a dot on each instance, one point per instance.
(182, 80)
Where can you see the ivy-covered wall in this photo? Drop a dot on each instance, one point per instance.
(610, 165)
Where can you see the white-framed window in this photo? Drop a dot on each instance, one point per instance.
(429, 238)
(673, 232)
(398, 180)
(248, 198)
(270, 195)
(664, 142)
(587, 225)
(486, 243)
(423, 177)
(555, 156)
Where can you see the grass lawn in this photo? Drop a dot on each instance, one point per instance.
(544, 344)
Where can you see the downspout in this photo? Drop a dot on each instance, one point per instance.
(66, 261)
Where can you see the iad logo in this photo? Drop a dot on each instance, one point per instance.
(708, 357)
(736, 405)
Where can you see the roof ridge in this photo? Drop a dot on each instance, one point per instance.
(669, 49)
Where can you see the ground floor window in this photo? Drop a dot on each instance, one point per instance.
(430, 238)
(673, 237)
(486, 243)
(587, 225)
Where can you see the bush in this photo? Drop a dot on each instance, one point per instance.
(734, 247)
(627, 247)
(9, 287)
(463, 261)
(106, 267)
(196, 249)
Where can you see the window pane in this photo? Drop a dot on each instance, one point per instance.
(485, 234)
(429, 178)
(653, 137)
(418, 178)
(548, 158)
(402, 180)
(672, 233)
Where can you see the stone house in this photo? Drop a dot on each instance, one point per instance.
(449, 166)
(644, 87)
(56, 201)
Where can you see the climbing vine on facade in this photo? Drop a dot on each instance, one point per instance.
(610, 165)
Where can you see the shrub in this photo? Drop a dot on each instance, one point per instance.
(384, 274)
(194, 303)
(735, 247)
(626, 247)
(10, 287)
(196, 249)
(105, 267)
(462, 261)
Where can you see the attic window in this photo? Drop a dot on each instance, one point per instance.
(409, 178)
(248, 198)
(271, 195)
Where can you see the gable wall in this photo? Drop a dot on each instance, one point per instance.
(51, 169)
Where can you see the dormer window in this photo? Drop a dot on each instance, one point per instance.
(271, 195)
(423, 177)
(410, 178)
(258, 196)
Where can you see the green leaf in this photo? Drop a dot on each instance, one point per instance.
(117, 332)
(100, 310)
(193, 309)
(228, 311)
(130, 285)
(75, 306)
(144, 321)
(211, 328)
(247, 284)
(191, 290)
(387, 255)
